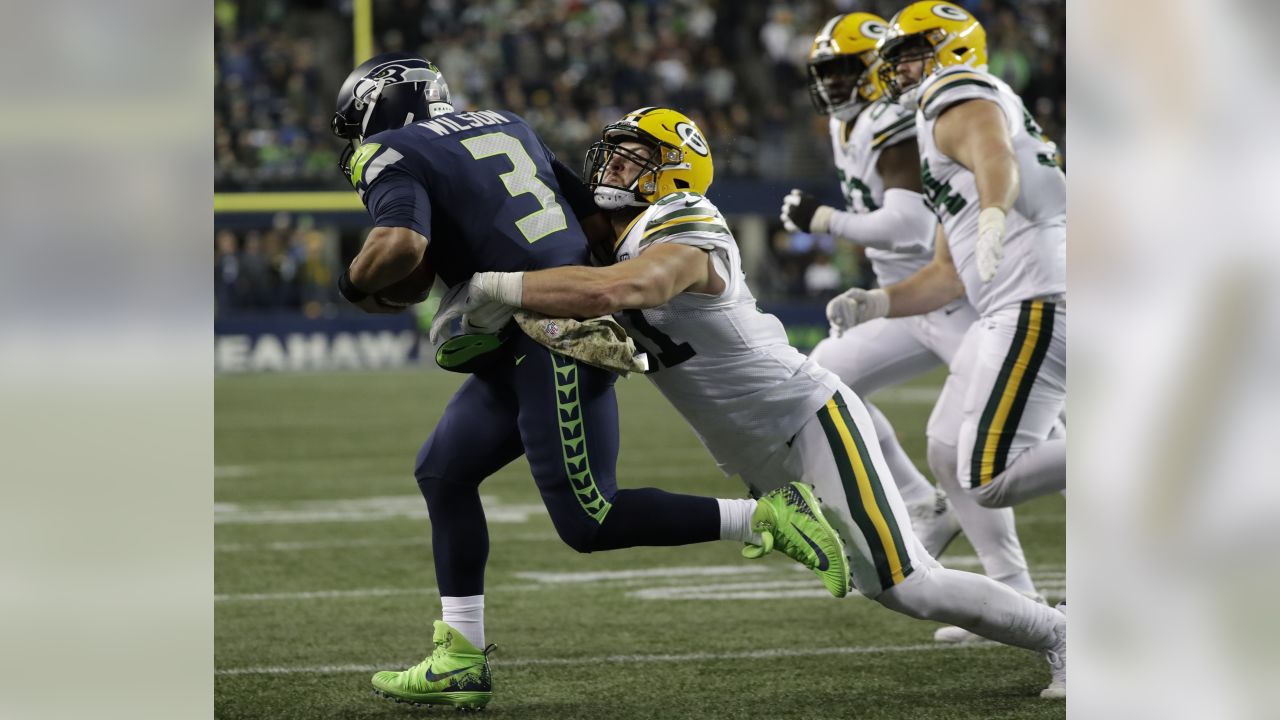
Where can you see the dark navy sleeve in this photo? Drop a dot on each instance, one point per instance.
(575, 192)
(395, 199)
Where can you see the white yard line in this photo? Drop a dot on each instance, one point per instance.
(425, 541)
(776, 590)
(366, 509)
(606, 575)
(662, 583)
(767, 654)
(322, 594)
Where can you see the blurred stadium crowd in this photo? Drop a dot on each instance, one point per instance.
(569, 67)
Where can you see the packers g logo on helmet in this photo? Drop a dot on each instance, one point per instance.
(675, 156)
(843, 64)
(940, 33)
(693, 138)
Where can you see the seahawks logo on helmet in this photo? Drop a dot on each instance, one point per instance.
(692, 138)
(396, 72)
(949, 12)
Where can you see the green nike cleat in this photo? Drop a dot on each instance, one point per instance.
(456, 674)
(789, 519)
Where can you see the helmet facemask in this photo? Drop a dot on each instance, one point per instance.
(648, 163)
(841, 85)
(899, 51)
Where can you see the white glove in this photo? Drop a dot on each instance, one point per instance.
(990, 246)
(487, 319)
(855, 306)
(483, 297)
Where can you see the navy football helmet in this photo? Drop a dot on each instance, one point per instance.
(387, 91)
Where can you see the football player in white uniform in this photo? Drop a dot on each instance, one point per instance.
(874, 147)
(995, 184)
(763, 410)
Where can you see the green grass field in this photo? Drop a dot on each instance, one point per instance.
(324, 574)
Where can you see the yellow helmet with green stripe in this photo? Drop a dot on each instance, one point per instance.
(678, 158)
(844, 65)
(940, 33)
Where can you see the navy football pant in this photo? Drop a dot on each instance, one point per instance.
(563, 416)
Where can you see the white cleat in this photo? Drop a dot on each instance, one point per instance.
(934, 523)
(1057, 657)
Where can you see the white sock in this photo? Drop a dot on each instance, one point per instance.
(912, 485)
(735, 520)
(466, 615)
(991, 531)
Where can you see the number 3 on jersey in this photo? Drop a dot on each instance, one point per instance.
(521, 180)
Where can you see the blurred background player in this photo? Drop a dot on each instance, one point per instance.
(874, 146)
(880, 179)
(479, 191)
(762, 409)
(994, 181)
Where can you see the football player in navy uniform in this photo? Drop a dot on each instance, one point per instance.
(480, 191)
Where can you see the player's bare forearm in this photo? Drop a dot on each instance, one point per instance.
(931, 287)
(388, 256)
(649, 280)
(974, 134)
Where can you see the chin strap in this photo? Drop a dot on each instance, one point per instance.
(612, 198)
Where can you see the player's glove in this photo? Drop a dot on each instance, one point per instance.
(990, 247)
(855, 306)
(485, 303)
(801, 212)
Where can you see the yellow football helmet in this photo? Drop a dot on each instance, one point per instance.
(844, 65)
(678, 158)
(940, 33)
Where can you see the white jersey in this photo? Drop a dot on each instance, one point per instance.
(1035, 240)
(879, 126)
(726, 366)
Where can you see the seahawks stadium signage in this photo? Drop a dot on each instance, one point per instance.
(292, 343)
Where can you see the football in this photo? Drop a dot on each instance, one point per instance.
(412, 289)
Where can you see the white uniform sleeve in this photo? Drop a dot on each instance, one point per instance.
(957, 85)
(904, 224)
(688, 218)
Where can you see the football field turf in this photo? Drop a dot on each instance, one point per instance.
(323, 574)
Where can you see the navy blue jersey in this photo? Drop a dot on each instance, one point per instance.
(481, 186)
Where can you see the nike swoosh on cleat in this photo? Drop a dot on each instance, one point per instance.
(823, 563)
(432, 677)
